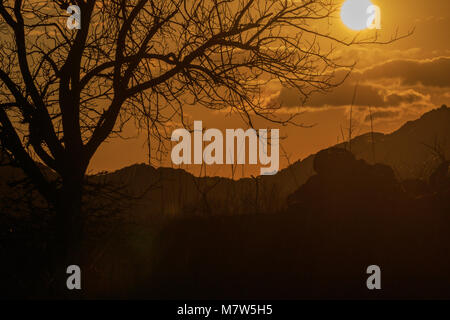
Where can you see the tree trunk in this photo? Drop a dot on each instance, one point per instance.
(69, 234)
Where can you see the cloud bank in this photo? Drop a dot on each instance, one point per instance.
(388, 88)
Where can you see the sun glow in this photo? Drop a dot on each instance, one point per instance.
(354, 14)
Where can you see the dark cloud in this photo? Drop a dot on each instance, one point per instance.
(366, 95)
(377, 87)
(398, 98)
(430, 72)
(382, 115)
(342, 96)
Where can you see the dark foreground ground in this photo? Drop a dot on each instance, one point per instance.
(346, 217)
(317, 255)
(285, 256)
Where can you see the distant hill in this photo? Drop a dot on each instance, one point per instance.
(407, 150)
(176, 191)
(168, 191)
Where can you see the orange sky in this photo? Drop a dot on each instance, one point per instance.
(399, 81)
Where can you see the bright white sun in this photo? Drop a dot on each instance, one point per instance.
(354, 13)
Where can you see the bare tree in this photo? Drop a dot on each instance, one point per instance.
(439, 176)
(64, 92)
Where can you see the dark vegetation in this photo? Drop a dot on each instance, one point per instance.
(346, 217)
(348, 214)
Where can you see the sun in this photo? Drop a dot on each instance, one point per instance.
(354, 14)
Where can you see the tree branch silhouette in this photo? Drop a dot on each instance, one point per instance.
(65, 92)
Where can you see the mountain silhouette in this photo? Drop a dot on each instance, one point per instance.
(175, 191)
(168, 191)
